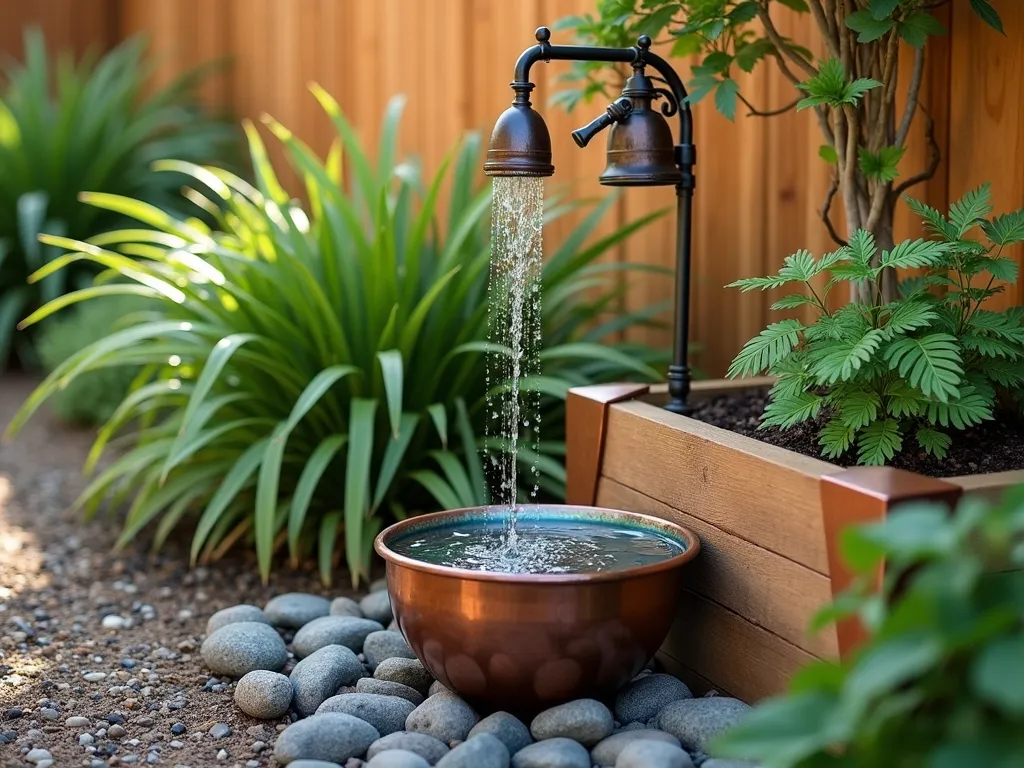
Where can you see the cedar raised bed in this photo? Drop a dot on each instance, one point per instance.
(768, 520)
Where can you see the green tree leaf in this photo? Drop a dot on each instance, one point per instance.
(744, 12)
(687, 45)
(879, 442)
(988, 14)
(933, 441)
(931, 363)
(882, 9)
(917, 26)
(867, 27)
(997, 675)
(748, 54)
(881, 166)
(828, 153)
(655, 22)
(766, 349)
(725, 98)
(796, 5)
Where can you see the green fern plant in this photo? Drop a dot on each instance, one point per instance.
(883, 375)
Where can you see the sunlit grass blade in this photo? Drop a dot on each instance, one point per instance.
(357, 484)
(394, 452)
(325, 544)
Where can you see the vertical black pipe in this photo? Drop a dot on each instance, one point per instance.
(679, 370)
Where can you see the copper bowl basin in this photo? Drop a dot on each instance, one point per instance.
(525, 642)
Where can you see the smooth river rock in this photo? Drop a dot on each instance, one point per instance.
(296, 609)
(377, 606)
(644, 697)
(345, 606)
(319, 676)
(264, 694)
(233, 615)
(584, 720)
(444, 716)
(607, 750)
(388, 688)
(481, 751)
(695, 722)
(645, 754)
(405, 671)
(313, 764)
(397, 758)
(552, 753)
(424, 745)
(239, 648)
(509, 729)
(385, 713)
(386, 645)
(332, 736)
(349, 631)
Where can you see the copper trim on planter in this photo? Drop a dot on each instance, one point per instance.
(525, 642)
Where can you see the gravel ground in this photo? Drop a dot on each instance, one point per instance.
(72, 610)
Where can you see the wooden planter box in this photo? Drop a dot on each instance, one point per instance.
(768, 520)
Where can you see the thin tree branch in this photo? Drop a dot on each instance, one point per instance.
(780, 44)
(881, 118)
(935, 157)
(755, 112)
(913, 91)
(826, 207)
(830, 14)
(827, 29)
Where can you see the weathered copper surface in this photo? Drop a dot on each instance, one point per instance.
(525, 642)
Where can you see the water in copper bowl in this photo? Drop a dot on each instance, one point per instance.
(545, 542)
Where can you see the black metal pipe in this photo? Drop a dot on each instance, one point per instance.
(544, 51)
(679, 371)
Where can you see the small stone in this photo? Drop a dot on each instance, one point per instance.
(239, 648)
(584, 720)
(85, 739)
(115, 718)
(220, 730)
(552, 753)
(48, 713)
(332, 736)
(94, 677)
(444, 716)
(113, 622)
(377, 585)
(695, 722)
(263, 694)
(387, 688)
(312, 764)
(177, 729)
(14, 713)
(233, 615)
(424, 745)
(645, 753)
(405, 671)
(509, 729)
(38, 755)
(345, 606)
(295, 609)
(176, 744)
(607, 750)
(386, 645)
(333, 630)
(377, 606)
(397, 758)
(644, 697)
(385, 713)
(258, 746)
(116, 731)
(319, 676)
(222, 754)
(481, 751)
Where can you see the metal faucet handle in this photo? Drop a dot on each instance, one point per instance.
(616, 112)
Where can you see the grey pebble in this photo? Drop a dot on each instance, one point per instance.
(85, 739)
(436, 687)
(552, 753)
(116, 731)
(48, 713)
(606, 752)
(332, 736)
(236, 649)
(509, 729)
(345, 606)
(405, 671)
(584, 720)
(397, 758)
(349, 631)
(481, 751)
(233, 615)
(385, 713)
(388, 688)
(377, 606)
(296, 609)
(77, 722)
(38, 755)
(220, 730)
(263, 694)
(424, 745)
(645, 753)
(312, 764)
(644, 697)
(444, 716)
(386, 645)
(319, 676)
(695, 722)
(378, 584)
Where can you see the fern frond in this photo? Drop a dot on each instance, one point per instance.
(905, 316)
(862, 248)
(835, 438)
(848, 323)
(1007, 229)
(879, 442)
(1005, 325)
(759, 283)
(934, 442)
(991, 346)
(859, 408)
(1006, 373)
(793, 301)
(968, 410)
(915, 253)
(931, 363)
(841, 360)
(766, 349)
(785, 412)
(966, 212)
(903, 400)
(1001, 269)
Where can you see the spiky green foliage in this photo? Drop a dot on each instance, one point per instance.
(316, 369)
(939, 682)
(68, 126)
(890, 375)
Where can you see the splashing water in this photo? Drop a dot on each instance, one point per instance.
(514, 334)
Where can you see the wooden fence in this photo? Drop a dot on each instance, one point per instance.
(760, 181)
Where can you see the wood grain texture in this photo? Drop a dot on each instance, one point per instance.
(768, 590)
(757, 492)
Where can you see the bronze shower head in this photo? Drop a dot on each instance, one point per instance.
(520, 143)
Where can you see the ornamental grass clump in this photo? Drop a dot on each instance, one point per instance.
(882, 375)
(312, 371)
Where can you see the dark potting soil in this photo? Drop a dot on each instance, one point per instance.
(994, 446)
